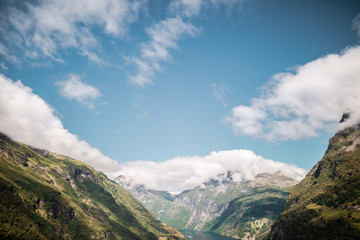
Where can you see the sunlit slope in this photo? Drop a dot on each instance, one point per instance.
(237, 209)
(49, 196)
(326, 204)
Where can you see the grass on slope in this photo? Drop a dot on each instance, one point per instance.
(49, 196)
(250, 215)
(325, 205)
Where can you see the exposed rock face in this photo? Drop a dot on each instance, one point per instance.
(42, 152)
(81, 174)
(326, 203)
(48, 196)
(238, 209)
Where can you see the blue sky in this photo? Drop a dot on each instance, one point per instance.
(153, 80)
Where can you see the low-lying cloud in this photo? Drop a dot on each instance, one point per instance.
(304, 101)
(182, 173)
(26, 117)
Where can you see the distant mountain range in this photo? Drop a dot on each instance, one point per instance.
(326, 203)
(237, 209)
(49, 196)
(44, 195)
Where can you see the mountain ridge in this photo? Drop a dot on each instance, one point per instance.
(221, 204)
(326, 203)
(50, 196)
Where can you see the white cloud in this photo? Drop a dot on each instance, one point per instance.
(219, 93)
(163, 37)
(165, 34)
(193, 8)
(41, 28)
(182, 173)
(74, 88)
(3, 66)
(26, 117)
(6, 53)
(186, 8)
(356, 24)
(300, 104)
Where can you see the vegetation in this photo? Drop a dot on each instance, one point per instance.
(49, 196)
(235, 209)
(326, 204)
(250, 215)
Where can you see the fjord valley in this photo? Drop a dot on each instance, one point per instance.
(50, 196)
(179, 119)
(324, 205)
(238, 209)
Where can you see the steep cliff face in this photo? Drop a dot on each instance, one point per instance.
(49, 196)
(326, 203)
(237, 209)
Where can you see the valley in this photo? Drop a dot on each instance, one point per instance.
(50, 196)
(179, 120)
(238, 209)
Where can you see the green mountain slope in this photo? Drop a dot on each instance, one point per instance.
(237, 209)
(251, 214)
(49, 196)
(326, 203)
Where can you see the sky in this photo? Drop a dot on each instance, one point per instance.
(148, 86)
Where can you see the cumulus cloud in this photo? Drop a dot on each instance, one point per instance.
(182, 173)
(302, 103)
(38, 29)
(74, 88)
(26, 117)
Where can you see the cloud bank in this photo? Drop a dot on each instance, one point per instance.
(301, 103)
(26, 117)
(182, 173)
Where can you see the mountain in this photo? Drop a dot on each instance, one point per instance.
(44, 195)
(326, 203)
(238, 209)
